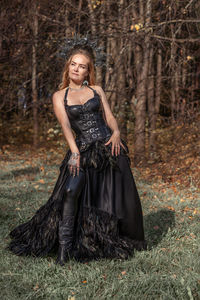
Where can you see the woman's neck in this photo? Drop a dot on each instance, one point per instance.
(75, 86)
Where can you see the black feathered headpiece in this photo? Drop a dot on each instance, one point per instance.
(69, 45)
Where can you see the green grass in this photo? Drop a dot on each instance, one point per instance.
(169, 269)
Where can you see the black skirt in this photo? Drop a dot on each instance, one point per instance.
(109, 221)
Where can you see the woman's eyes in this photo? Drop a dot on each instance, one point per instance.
(83, 67)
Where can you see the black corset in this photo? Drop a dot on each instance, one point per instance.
(87, 121)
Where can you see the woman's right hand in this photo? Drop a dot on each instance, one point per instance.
(74, 164)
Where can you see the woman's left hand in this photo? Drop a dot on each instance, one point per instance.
(116, 143)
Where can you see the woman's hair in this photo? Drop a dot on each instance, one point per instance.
(91, 72)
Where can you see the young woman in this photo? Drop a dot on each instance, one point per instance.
(94, 211)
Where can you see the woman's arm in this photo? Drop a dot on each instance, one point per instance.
(59, 110)
(112, 123)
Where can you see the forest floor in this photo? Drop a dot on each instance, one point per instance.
(169, 269)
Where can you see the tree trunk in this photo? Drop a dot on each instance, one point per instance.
(34, 72)
(121, 78)
(177, 76)
(173, 75)
(111, 74)
(158, 84)
(68, 29)
(101, 29)
(184, 67)
(92, 17)
(122, 103)
(174, 83)
(151, 102)
(95, 28)
(154, 105)
(79, 15)
(140, 112)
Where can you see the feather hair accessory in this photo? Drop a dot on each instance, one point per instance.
(77, 42)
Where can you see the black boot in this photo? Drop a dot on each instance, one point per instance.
(66, 230)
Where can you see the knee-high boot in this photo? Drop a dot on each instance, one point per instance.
(66, 226)
(66, 230)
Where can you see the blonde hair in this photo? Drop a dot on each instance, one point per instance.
(91, 73)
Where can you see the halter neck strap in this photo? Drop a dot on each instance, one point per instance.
(95, 92)
(65, 98)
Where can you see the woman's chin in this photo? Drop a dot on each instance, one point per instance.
(76, 80)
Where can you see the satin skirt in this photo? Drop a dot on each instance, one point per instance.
(109, 221)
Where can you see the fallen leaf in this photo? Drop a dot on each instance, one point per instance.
(123, 272)
(156, 227)
(137, 27)
(104, 276)
(36, 287)
(170, 207)
(192, 235)
(186, 208)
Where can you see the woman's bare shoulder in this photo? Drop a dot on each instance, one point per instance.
(58, 95)
(97, 88)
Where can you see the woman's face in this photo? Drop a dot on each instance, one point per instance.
(78, 68)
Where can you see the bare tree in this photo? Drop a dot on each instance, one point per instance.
(142, 73)
(34, 9)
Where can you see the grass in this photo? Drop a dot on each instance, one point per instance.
(169, 269)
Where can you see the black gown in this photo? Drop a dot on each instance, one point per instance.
(109, 222)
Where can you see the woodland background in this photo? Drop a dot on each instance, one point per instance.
(151, 74)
